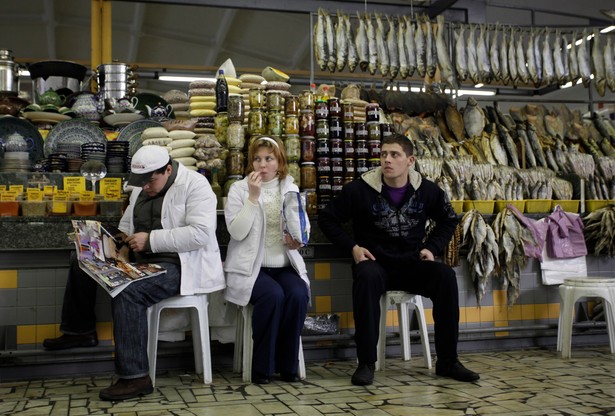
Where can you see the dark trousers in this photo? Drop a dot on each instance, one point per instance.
(431, 279)
(280, 300)
(129, 311)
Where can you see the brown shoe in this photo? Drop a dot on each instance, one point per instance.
(127, 388)
(70, 341)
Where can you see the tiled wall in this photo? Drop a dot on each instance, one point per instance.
(31, 300)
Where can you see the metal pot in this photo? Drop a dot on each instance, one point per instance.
(114, 80)
(9, 72)
(61, 76)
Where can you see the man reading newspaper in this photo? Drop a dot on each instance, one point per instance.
(170, 221)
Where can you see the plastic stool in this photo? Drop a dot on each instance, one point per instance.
(403, 300)
(199, 318)
(573, 289)
(244, 345)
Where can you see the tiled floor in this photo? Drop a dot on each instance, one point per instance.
(530, 382)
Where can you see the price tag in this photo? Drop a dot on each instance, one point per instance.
(8, 196)
(34, 194)
(111, 188)
(2, 188)
(75, 184)
(60, 203)
(16, 188)
(86, 196)
(113, 195)
(49, 190)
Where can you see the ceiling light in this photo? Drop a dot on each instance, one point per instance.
(608, 29)
(485, 93)
(183, 78)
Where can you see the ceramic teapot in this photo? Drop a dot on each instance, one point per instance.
(16, 143)
(50, 97)
(86, 106)
(125, 105)
(159, 111)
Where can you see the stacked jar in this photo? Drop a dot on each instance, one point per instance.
(336, 134)
(372, 124)
(257, 121)
(323, 153)
(349, 153)
(236, 137)
(292, 144)
(307, 138)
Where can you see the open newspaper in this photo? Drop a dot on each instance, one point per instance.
(105, 257)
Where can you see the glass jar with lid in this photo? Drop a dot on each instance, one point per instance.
(275, 123)
(257, 123)
(306, 99)
(235, 162)
(274, 101)
(308, 149)
(256, 97)
(308, 175)
(292, 145)
(311, 201)
(291, 105)
(294, 171)
(235, 107)
(236, 135)
(230, 181)
(307, 123)
(291, 124)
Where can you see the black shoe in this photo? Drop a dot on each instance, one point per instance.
(455, 370)
(289, 378)
(363, 375)
(70, 341)
(127, 388)
(260, 379)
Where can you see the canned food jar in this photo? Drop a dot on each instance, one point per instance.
(373, 163)
(337, 166)
(360, 131)
(292, 145)
(336, 147)
(308, 149)
(294, 171)
(361, 166)
(337, 182)
(348, 112)
(230, 181)
(291, 124)
(235, 162)
(275, 123)
(321, 110)
(349, 150)
(322, 128)
(236, 136)
(221, 127)
(256, 98)
(323, 165)
(324, 185)
(386, 130)
(335, 108)
(373, 149)
(274, 101)
(323, 201)
(306, 99)
(322, 148)
(373, 130)
(335, 128)
(348, 131)
(371, 112)
(307, 123)
(235, 107)
(311, 201)
(349, 166)
(308, 175)
(291, 105)
(360, 148)
(257, 122)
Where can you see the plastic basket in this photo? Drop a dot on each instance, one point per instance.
(568, 205)
(501, 204)
(457, 206)
(537, 206)
(595, 204)
(482, 206)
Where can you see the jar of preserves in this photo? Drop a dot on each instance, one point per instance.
(323, 165)
(256, 98)
(292, 145)
(221, 127)
(337, 166)
(373, 163)
(349, 168)
(335, 108)
(348, 148)
(386, 129)
(308, 149)
(360, 131)
(306, 99)
(322, 148)
(235, 162)
(294, 171)
(348, 179)
(236, 137)
(324, 185)
(274, 101)
(291, 105)
(235, 107)
(336, 147)
(308, 175)
(321, 110)
(337, 182)
(335, 128)
(275, 123)
(373, 130)
(323, 201)
(348, 112)
(348, 131)
(230, 181)
(322, 128)
(257, 123)
(361, 166)
(373, 149)
(307, 123)
(311, 202)
(372, 112)
(291, 124)
(360, 148)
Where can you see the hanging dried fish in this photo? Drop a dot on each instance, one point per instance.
(353, 57)
(558, 59)
(496, 147)
(609, 63)
(512, 58)
(521, 64)
(420, 48)
(461, 55)
(444, 60)
(330, 33)
(381, 45)
(583, 59)
(598, 64)
(509, 145)
(600, 231)
(482, 55)
(503, 51)
(532, 69)
(431, 59)
(402, 50)
(372, 45)
(538, 56)
(530, 159)
(341, 43)
(494, 54)
(548, 72)
(361, 43)
(392, 47)
(573, 62)
(410, 45)
(536, 146)
(473, 118)
(472, 57)
(321, 49)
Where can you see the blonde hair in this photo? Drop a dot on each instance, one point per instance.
(275, 146)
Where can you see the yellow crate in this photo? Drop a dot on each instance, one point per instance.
(568, 205)
(457, 206)
(537, 206)
(483, 206)
(501, 204)
(595, 204)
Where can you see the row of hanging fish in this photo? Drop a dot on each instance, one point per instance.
(540, 56)
(391, 45)
(600, 231)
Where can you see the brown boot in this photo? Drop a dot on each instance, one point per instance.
(127, 388)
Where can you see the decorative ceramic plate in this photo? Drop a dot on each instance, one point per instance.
(132, 133)
(122, 119)
(10, 125)
(73, 131)
(45, 117)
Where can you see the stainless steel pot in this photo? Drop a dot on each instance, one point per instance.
(114, 80)
(64, 77)
(9, 72)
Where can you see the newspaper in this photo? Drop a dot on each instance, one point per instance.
(105, 257)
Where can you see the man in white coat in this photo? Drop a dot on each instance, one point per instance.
(171, 221)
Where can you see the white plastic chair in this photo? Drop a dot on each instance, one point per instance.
(402, 300)
(199, 319)
(573, 289)
(244, 345)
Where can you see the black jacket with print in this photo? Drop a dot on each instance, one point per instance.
(389, 233)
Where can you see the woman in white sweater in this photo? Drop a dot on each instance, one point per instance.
(263, 266)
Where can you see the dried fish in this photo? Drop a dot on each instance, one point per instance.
(482, 54)
(443, 58)
(558, 59)
(503, 51)
(353, 56)
(473, 118)
(330, 33)
(341, 42)
(598, 64)
(391, 42)
(583, 59)
(548, 72)
(461, 55)
(530, 159)
(536, 146)
(472, 57)
(509, 145)
(402, 50)
(361, 43)
(454, 121)
(410, 45)
(496, 148)
(431, 58)
(420, 48)
(573, 62)
(532, 69)
(381, 46)
(512, 58)
(320, 39)
(609, 63)
(600, 231)
(494, 54)
(538, 56)
(372, 45)
(521, 65)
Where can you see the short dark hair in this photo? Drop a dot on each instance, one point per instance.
(403, 141)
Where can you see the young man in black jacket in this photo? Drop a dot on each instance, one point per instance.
(389, 207)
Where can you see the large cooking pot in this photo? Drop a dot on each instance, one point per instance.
(9, 73)
(115, 80)
(63, 76)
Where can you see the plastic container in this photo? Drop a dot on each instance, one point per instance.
(111, 208)
(457, 206)
(537, 206)
(59, 207)
(85, 209)
(33, 208)
(568, 205)
(501, 204)
(9, 208)
(595, 204)
(483, 206)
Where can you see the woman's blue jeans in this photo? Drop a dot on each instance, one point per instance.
(129, 311)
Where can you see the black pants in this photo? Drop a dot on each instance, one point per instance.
(431, 279)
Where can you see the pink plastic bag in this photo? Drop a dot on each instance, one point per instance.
(565, 237)
(538, 230)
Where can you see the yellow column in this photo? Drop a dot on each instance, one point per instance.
(106, 32)
(96, 52)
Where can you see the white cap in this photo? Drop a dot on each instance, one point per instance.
(145, 162)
